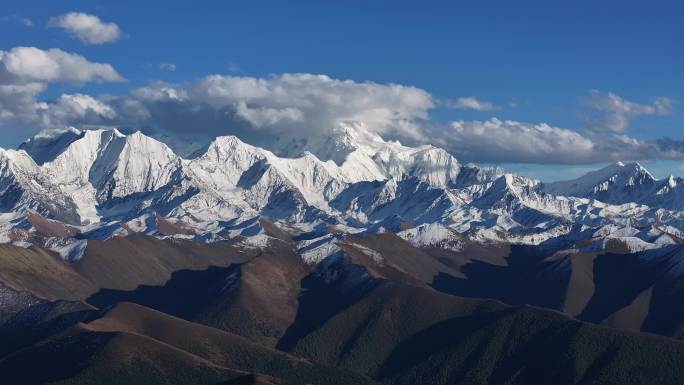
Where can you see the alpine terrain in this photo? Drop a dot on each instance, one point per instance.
(345, 259)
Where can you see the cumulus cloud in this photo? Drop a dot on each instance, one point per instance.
(609, 112)
(506, 141)
(30, 64)
(26, 72)
(18, 103)
(302, 105)
(167, 66)
(75, 109)
(470, 103)
(88, 28)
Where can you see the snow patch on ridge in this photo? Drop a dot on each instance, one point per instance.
(433, 235)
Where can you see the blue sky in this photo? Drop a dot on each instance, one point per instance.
(533, 61)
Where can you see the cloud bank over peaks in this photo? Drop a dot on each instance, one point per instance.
(304, 109)
(302, 105)
(507, 141)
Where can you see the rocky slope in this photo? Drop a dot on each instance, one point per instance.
(349, 258)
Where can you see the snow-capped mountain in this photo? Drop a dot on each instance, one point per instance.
(25, 186)
(621, 183)
(102, 183)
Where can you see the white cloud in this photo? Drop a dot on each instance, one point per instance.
(507, 141)
(611, 113)
(74, 109)
(268, 116)
(167, 66)
(30, 64)
(470, 103)
(302, 106)
(26, 72)
(289, 104)
(503, 141)
(18, 103)
(88, 28)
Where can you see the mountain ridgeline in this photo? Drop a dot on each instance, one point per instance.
(341, 259)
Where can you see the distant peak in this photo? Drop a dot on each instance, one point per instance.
(357, 132)
(638, 168)
(227, 140)
(138, 136)
(622, 167)
(223, 146)
(334, 144)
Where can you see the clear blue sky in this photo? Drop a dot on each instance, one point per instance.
(535, 60)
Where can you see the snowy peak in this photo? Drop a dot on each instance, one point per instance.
(230, 148)
(616, 183)
(336, 144)
(225, 162)
(23, 187)
(362, 154)
(622, 183)
(231, 166)
(427, 163)
(124, 163)
(141, 164)
(505, 191)
(74, 164)
(14, 160)
(105, 164)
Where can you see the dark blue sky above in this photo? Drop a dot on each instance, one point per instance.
(536, 61)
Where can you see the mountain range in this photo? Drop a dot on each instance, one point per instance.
(339, 259)
(103, 183)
